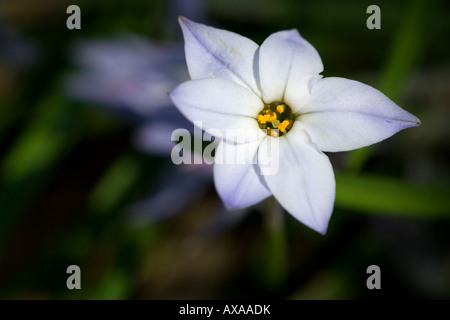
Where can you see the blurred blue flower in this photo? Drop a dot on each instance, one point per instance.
(132, 76)
(128, 73)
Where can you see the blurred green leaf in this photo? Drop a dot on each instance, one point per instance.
(114, 286)
(114, 185)
(41, 142)
(51, 130)
(401, 61)
(405, 52)
(325, 285)
(385, 195)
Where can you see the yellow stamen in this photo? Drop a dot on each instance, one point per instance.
(276, 119)
(282, 127)
(263, 118)
(273, 116)
(280, 109)
(268, 116)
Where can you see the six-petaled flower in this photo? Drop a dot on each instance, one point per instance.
(276, 91)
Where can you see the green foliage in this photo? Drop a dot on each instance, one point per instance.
(51, 217)
(391, 196)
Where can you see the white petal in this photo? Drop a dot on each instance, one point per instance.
(347, 114)
(304, 184)
(216, 53)
(287, 63)
(220, 104)
(239, 185)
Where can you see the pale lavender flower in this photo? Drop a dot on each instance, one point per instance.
(132, 76)
(127, 72)
(275, 91)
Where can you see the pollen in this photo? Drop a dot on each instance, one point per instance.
(273, 116)
(263, 118)
(276, 119)
(284, 125)
(280, 108)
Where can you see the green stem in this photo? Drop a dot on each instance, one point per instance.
(276, 263)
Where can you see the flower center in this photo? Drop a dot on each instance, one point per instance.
(277, 118)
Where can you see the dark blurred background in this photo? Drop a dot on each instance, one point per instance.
(86, 177)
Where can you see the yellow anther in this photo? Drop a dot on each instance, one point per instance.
(276, 119)
(268, 116)
(282, 127)
(280, 109)
(263, 118)
(273, 116)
